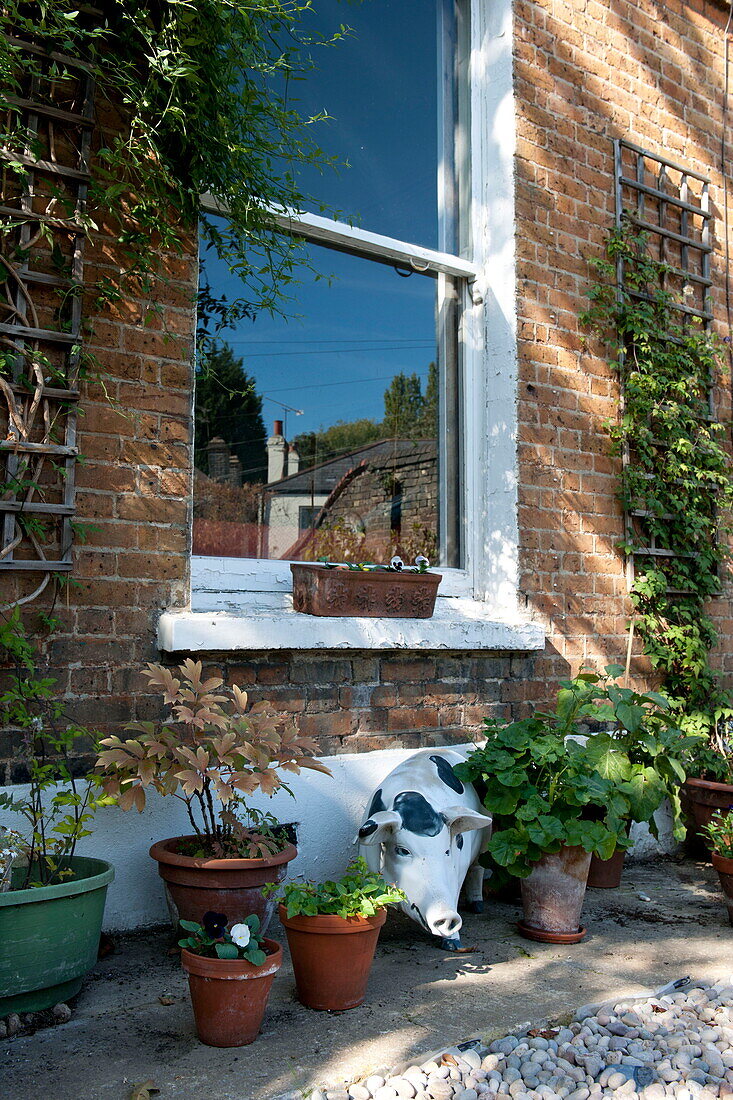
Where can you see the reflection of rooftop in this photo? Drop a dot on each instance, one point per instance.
(324, 477)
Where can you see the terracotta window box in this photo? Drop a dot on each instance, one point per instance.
(374, 594)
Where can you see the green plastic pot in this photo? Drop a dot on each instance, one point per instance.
(50, 937)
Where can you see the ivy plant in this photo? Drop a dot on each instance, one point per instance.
(676, 482)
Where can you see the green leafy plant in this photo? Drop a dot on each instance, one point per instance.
(212, 748)
(720, 831)
(676, 484)
(358, 893)
(214, 940)
(550, 782)
(60, 803)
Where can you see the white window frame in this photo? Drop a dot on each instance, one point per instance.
(248, 599)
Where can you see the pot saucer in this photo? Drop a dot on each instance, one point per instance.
(539, 935)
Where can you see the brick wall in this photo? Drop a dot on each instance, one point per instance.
(582, 70)
(585, 73)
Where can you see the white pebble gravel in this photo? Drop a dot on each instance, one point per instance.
(677, 1045)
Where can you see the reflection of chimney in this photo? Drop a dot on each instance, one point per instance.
(293, 460)
(276, 453)
(218, 458)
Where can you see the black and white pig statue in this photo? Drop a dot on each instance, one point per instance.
(424, 830)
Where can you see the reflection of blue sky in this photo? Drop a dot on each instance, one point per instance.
(346, 339)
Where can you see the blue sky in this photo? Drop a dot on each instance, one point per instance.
(347, 337)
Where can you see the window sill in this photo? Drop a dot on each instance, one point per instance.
(458, 624)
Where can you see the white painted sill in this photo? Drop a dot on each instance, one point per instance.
(458, 624)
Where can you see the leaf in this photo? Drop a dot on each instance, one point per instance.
(144, 1090)
(630, 716)
(227, 951)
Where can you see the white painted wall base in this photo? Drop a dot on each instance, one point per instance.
(329, 812)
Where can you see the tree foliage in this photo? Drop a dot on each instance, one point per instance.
(227, 405)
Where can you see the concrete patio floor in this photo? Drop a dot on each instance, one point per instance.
(420, 999)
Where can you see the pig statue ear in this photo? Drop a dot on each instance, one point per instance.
(462, 819)
(377, 828)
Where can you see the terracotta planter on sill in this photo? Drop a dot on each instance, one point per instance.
(195, 886)
(700, 799)
(332, 957)
(373, 594)
(553, 895)
(724, 866)
(229, 996)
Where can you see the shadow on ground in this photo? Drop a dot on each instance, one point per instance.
(419, 999)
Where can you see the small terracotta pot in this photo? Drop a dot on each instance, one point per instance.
(700, 799)
(332, 957)
(605, 874)
(724, 866)
(229, 996)
(553, 894)
(230, 886)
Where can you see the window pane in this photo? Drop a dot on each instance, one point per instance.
(380, 85)
(319, 435)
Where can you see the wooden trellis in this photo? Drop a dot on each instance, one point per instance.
(45, 180)
(671, 204)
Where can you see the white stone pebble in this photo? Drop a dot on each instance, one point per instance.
(679, 1045)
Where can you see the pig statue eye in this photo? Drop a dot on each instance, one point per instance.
(398, 851)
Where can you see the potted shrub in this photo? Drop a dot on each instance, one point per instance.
(552, 810)
(372, 591)
(642, 750)
(332, 930)
(709, 783)
(230, 974)
(719, 831)
(211, 749)
(51, 900)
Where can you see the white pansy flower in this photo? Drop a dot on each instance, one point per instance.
(240, 934)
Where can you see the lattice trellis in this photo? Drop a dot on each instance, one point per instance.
(672, 205)
(45, 180)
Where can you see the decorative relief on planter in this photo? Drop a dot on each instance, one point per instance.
(318, 590)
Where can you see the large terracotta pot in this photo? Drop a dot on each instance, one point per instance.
(724, 866)
(700, 799)
(332, 957)
(229, 996)
(231, 886)
(553, 896)
(605, 874)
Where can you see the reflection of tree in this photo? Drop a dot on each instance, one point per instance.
(408, 414)
(228, 406)
(216, 501)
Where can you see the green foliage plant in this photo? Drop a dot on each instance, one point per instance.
(550, 782)
(358, 893)
(676, 480)
(214, 940)
(720, 831)
(211, 748)
(60, 803)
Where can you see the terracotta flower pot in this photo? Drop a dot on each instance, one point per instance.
(318, 590)
(553, 896)
(232, 886)
(229, 996)
(605, 874)
(724, 866)
(332, 957)
(700, 799)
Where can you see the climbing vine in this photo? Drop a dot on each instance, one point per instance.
(676, 485)
(191, 97)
